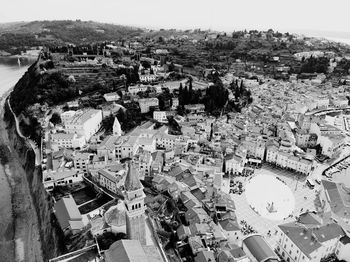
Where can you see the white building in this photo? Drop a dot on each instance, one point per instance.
(111, 97)
(160, 116)
(175, 103)
(234, 163)
(112, 179)
(165, 141)
(271, 154)
(300, 243)
(147, 77)
(63, 140)
(67, 116)
(342, 250)
(85, 123)
(331, 144)
(133, 90)
(61, 177)
(146, 143)
(146, 103)
(128, 148)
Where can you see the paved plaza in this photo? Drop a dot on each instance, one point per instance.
(303, 195)
(276, 204)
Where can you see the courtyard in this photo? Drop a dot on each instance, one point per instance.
(303, 197)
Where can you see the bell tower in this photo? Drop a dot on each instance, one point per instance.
(135, 207)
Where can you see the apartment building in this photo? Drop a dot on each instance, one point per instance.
(146, 103)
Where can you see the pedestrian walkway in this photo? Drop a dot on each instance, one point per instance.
(305, 200)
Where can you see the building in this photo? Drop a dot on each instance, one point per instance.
(334, 197)
(133, 90)
(110, 97)
(131, 251)
(308, 241)
(234, 163)
(85, 123)
(126, 147)
(195, 108)
(342, 250)
(271, 154)
(160, 116)
(67, 116)
(135, 207)
(175, 103)
(62, 140)
(302, 138)
(331, 144)
(233, 253)
(68, 215)
(61, 177)
(107, 148)
(258, 250)
(146, 78)
(81, 161)
(110, 180)
(165, 141)
(256, 149)
(205, 256)
(146, 103)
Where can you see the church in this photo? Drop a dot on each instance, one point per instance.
(140, 246)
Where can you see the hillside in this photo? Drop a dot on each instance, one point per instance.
(14, 37)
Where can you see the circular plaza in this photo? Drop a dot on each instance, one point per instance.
(269, 197)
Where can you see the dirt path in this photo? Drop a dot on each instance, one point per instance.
(22, 232)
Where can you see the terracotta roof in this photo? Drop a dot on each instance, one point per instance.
(205, 256)
(259, 248)
(339, 198)
(125, 251)
(309, 239)
(67, 211)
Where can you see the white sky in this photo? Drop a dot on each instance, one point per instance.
(325, 15)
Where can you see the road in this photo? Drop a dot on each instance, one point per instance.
(31, 142)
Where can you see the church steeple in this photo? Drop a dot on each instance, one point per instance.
(132, 181)
(135, 207)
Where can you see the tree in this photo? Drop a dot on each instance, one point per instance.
(56, 118)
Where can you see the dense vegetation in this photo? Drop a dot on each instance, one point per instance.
(19, 36)
(315, 65)
(35, 88)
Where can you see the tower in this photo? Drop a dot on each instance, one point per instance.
(135, 208)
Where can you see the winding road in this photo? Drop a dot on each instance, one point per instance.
(32, 144)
